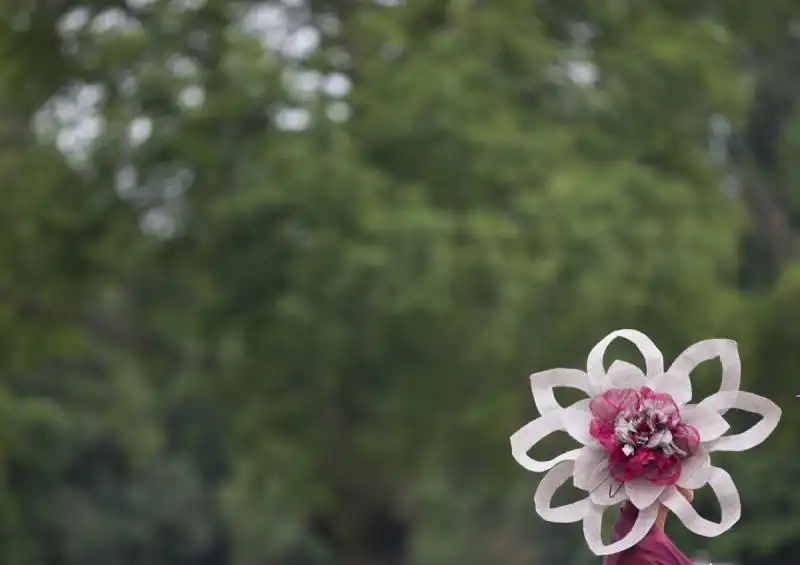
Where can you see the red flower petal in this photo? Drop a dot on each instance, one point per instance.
(686, 438)
(663, 470)
(603, 432)
(661, 401)
(656, 467)
(606, 406)
(624, 468)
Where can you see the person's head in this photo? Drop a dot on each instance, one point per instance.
(635, 421)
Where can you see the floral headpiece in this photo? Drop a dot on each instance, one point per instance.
(640, 438)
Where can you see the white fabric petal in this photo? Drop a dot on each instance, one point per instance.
(695, 470)
(605, 491)
(748, 402)
(551, 482)
(653, 359)
(722, 484)
(543, 383)
(677, 385)
(592, 525)
(532, 433)
(577, 420)
(622, 374)
(707, 421)
(728, 353)
(642, 493)
(587, 461)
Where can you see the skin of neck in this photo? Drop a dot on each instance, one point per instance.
(663, 511)
(661, 519)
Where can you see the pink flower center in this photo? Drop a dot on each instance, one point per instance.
(643, 433)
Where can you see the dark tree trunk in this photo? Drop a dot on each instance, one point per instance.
(755, 160)
(366, 533)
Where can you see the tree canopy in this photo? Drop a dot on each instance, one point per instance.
(274, 273)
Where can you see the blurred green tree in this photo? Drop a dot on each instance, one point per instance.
(363, 224)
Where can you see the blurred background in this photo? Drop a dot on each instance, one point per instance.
(273, 274)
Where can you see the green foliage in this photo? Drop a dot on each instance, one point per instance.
(224, 340)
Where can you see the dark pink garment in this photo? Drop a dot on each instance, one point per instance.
(655, 549)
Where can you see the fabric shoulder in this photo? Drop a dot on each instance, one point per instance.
(662, 554)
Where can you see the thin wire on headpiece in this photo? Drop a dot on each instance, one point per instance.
(601, 483)
(616, 492)
(611, 486)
